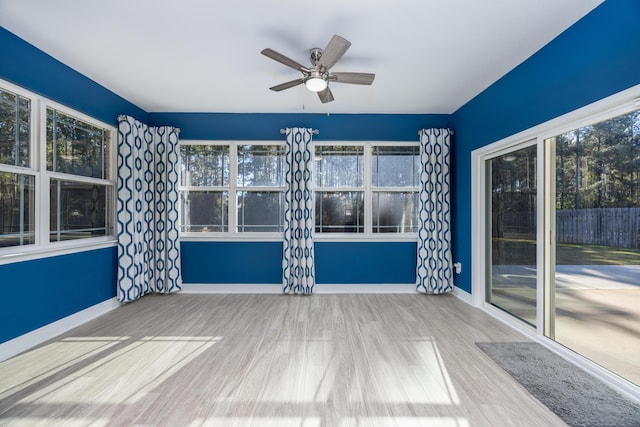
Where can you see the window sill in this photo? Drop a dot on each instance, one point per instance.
(381, 237)
(29, 253)
(277, 237)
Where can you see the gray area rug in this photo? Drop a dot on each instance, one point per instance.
(575, 396)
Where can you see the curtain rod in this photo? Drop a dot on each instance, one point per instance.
(313, 131)
(451, 132)
(123, 117)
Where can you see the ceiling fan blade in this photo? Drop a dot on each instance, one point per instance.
(287, 85)
(353, 78)
(276, 56)
(325, 95)
(333, 52)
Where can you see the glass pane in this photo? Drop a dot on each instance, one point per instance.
(78, 210)
(395, 212)
(340, 212)
(339, 166)
(76, 147)
(597, 219)
(204, 165)
(205, 211)
(395, 166)
(17, 198)
(260, 211)
(15, 128)
(261, 165)
(512, 214)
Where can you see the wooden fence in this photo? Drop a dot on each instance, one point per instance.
(618, 227)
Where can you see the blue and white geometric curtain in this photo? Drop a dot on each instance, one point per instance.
(434, 271)
(298, 270)
(147, 203)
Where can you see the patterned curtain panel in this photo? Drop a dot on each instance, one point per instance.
(298, 261)
(434, 271)
(147, 218)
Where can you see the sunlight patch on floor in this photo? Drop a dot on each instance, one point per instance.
(43, 362)
(149, 362)
(257, 422)
(51, 422)
(422, 380)
(405, 422)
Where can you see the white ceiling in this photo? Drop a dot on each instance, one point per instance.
(429, 56)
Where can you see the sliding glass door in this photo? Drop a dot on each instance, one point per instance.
(511, 232)
(596, 213)
(561, 237)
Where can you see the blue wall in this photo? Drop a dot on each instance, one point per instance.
(261, 262)
(595, 58)
(36, 293)
(231, 262)
(336, 127)
(366, 262)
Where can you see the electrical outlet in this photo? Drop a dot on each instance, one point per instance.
(457, 267)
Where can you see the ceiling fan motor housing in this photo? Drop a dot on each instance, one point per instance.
(316, 73)
(315, 55)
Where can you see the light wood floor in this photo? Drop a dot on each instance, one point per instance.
(272, 360)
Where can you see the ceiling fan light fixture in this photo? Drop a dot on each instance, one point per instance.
(316, 82)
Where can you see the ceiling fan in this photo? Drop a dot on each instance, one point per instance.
(317, 77)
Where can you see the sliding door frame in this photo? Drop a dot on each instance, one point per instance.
(615, 105)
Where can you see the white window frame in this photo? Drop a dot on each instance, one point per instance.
(258, 188)
(392, 189)
(232, 188)
(42, 247)
(233, 235)
(368, 189)
(365, 190)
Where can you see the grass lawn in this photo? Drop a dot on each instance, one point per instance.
(523, 252)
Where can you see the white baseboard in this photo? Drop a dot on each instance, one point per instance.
(365, 289)
(210, 288)
(463, 295)
(238, 288)
(31, 339)
(318, 288)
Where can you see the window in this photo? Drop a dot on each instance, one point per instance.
(15, 129)
(80, 193)
(232, 188)
(17, 180)
(17, 202)
(57, 186)
(260, 196)
(367, 188)
(395, 181)
(360, 189)
(205, 188)
(339, 191)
